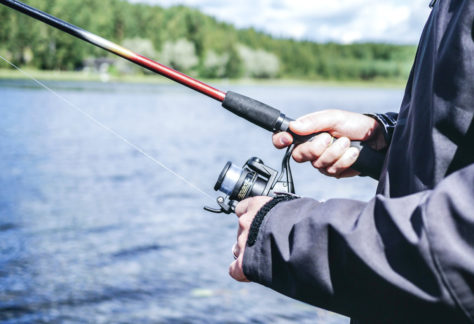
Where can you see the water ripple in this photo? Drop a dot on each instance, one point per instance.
(136, 251)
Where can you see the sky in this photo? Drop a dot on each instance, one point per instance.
(343, 21)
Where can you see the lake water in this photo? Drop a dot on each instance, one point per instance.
(91, 231)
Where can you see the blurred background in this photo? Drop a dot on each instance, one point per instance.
(91, 231)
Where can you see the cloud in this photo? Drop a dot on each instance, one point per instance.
(346, 21)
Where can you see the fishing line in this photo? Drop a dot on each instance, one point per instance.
(108, 129)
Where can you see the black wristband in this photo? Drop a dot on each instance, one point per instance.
(258, 220)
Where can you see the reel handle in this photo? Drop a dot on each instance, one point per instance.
(369, 162)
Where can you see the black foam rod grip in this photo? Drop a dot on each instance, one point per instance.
(252, 110)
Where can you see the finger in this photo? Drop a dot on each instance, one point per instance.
(236, 270)
(255, 203)
(242, 207)
(311, 151)
(239, 247)
(242, 241)
(332, 153)
(344, 163)
(245, 221)
(235, 251)
(282, 140)
(240, 229)
(316, 122)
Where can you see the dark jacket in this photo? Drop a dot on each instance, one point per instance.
(407, 255)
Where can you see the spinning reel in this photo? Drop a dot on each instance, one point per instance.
(253, 179)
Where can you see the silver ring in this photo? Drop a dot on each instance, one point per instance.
(233, 251)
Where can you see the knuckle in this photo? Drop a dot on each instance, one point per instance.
(297, 156)
(318, 146)
(309, 151)
(242, 208)
(318, 164)
(242, 223)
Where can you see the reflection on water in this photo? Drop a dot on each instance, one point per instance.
(92, 231)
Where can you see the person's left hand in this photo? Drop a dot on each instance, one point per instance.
(245, 211)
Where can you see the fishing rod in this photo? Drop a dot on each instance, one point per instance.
(368, 163)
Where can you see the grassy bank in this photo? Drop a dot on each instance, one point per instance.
(156, 79)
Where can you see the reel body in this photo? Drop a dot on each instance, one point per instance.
(253, 179)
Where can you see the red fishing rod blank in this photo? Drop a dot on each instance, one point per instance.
(179, 77)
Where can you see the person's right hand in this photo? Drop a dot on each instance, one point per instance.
(332, 158)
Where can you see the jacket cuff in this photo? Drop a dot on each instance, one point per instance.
(258, 220)
(388, 121)
(255, 255)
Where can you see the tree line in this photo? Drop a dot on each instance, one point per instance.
(191, 41)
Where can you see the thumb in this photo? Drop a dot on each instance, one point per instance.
(317, 122)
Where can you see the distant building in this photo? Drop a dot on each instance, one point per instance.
(98, 65)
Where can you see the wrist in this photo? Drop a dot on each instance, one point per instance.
(386, 124)
(376, 137)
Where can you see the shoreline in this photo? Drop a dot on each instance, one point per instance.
(10, 74)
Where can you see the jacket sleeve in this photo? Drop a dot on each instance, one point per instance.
(408, 259)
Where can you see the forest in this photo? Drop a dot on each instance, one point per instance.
(188, 40)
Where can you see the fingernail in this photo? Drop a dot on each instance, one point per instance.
(354, 153)
(284, 140)
(346, 142)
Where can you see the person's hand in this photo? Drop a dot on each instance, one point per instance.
(332, 158)
(245, 211)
